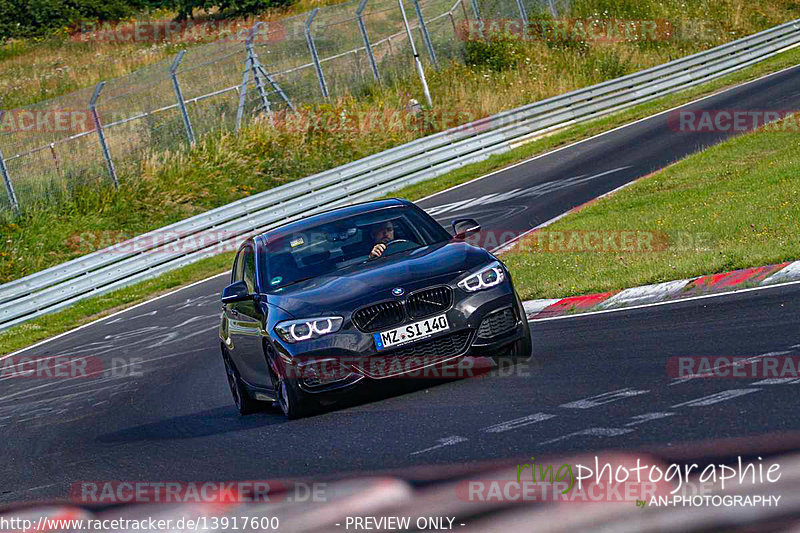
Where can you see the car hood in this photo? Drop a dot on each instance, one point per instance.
(345, 290)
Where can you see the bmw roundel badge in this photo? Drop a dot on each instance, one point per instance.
(398, 291)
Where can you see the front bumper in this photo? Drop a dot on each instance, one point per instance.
(342, 360)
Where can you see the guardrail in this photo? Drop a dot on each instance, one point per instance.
(201, 236)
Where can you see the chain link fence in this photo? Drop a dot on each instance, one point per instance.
(103, 132)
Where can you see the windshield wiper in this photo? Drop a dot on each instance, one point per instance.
(297, 281)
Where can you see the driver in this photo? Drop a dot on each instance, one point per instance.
(382, 233)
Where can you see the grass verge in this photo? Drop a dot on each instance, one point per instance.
(523, 264)
(728, 207)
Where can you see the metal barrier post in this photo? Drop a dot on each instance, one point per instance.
(425, 36)
(523, 14)
(55, 159)
(255, 65)
(367, 45)
(100, 135)
(276, 87)
(464, 9)
(553, 9)
(476, 10)
(187, 124)
(420, 71)
(313, 49)
(12, 197)
(243, 91)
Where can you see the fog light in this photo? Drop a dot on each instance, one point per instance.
(324, 372)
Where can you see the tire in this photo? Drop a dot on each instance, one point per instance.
(518, 352)
(241, 398)
(292, 401)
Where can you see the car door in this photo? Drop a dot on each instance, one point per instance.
(246, 324)
(227, 312)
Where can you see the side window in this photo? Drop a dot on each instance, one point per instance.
(238, 264)
(249, 270)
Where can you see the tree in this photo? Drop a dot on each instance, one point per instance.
(227, 7)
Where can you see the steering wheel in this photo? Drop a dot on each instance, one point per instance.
(388, 244)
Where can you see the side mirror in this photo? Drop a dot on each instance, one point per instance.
(465, 226)
(235, 293)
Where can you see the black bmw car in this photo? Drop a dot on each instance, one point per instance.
(366, 292)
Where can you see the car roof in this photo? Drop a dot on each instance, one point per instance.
(332, 215)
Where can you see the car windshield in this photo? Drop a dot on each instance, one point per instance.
(333, 246)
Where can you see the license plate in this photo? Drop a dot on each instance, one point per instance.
(411, 332)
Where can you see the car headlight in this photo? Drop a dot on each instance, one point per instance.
(304, 329)
(487, 277)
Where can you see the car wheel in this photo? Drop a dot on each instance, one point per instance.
(518, 352)
(244, 403)
(293, 402)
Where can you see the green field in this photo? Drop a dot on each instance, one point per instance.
(731, 206)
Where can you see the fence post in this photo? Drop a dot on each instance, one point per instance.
(464, 9)
(420, 71)
(187, 124)
(243, 91)
(12, 197)
(100, 135)
(425, 36)
(313, 49)
(553, 9)
(476, 10)
(453, 22)
(55, 159)
(276, 87)
(367, 45)
(523, 14)
(255, 65)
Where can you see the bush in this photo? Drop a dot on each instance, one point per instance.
(500, 52)
(30, 18)
(227, 7)
(35, 18)
(609, 65)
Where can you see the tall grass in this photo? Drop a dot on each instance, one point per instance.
(37, 69)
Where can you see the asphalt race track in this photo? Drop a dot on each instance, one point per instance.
(597, 381)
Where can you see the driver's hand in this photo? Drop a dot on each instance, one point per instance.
(377, 250)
